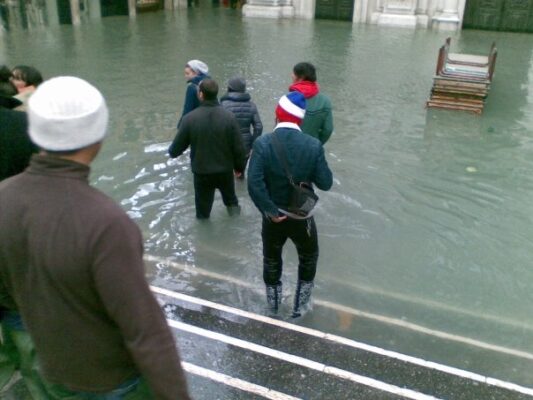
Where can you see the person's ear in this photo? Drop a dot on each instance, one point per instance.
(200, 95)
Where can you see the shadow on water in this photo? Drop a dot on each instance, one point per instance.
(429, 218)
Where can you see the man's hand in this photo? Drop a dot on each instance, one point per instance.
(277, 220)
(237, 174)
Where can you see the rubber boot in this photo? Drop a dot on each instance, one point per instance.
(273, 295)
(302, 298)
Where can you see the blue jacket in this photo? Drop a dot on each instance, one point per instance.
(191, 95)
(268, 184)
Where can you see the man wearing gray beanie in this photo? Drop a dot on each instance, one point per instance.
(71, 262)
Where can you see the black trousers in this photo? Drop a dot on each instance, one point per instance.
(204, 192)
(304, 236)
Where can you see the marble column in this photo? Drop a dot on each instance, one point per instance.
(75, 12)
(447, 18)
(132, 8)
(268, 9)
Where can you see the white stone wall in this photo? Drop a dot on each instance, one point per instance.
(433, 14)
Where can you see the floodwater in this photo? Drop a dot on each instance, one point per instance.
(429, 221)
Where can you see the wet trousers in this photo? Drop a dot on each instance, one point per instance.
(303, 234)
(204, 192)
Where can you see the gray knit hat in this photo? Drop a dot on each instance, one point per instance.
(67, 113)
(237, 84)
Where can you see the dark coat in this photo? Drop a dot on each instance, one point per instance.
(16, 147)
(245, 111)
(214, 136)
(268, 184)
(191, 95)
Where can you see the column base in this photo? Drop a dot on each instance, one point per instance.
(446, 22)
(275, 12)
(404, 21)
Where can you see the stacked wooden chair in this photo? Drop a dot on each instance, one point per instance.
(462, 81)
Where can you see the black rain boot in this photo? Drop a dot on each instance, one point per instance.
(302, 298)
(273, 294)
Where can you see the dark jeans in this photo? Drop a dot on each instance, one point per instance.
(204, 192)
(304, 236)
(133, 389)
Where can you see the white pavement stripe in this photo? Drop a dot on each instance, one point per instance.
(427, 331)
(381, 318)
(428, 303)
(236, 383)
(363, 380)
(349, 342)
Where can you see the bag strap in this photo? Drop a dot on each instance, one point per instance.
(280, 151)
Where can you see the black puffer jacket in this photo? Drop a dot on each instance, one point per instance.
(245, 111)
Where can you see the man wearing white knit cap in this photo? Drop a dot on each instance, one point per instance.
(71, 262)
(195, 72)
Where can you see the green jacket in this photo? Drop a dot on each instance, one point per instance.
(318, 120)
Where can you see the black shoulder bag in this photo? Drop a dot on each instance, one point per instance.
(302, 198)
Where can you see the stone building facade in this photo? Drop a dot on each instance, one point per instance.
(431, 14)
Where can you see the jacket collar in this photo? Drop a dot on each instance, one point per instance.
(198, 78)
(236, 96)
(289, 125)
(209, 103)
(307, 88)
(43, 164)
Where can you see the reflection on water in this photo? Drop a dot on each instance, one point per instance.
(429, 219)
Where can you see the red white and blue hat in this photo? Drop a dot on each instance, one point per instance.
(291, 108)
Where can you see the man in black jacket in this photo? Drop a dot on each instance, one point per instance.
(216, 150)
(16, 147)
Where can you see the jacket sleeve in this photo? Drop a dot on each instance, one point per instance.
(322, 177)
(181, 141)
(257, 187)
(327, 128)
(191, 101)
(118, 272)
(256, 122)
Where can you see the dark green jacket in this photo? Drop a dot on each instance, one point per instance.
(318, 120)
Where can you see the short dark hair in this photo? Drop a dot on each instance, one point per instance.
(7, 89)
(305, 71)
(5, 73)
(28, 74)
(209, 89)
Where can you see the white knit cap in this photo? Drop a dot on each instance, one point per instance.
(198, 66)
(67, 113)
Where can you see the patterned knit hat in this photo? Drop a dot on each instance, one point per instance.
(291, 108)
